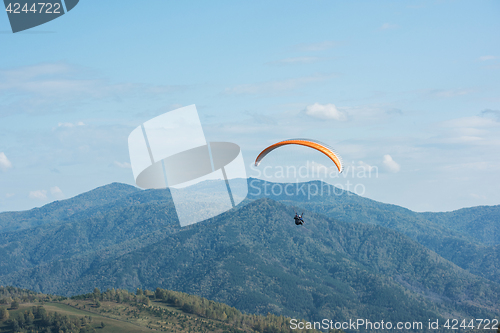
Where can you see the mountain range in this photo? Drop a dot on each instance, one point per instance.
(353, 258)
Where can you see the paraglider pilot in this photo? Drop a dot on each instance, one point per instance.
(298, 219)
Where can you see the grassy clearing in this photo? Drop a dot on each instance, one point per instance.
(157, 316)
(116, 324)
(121, 311)
(111, 325)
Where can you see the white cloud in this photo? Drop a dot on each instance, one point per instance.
(461, 139)
(487, 57)
(469, 131)
(9, 195)
(4, 162)
(56, 87)
(275, 86)
(296, 60)
(70, 125)
(260, 118)
(440, 93)
(387, 26)
(124, 165)
(325, 112)
(49, 80)
(57, 192)
(390, 164)
(317, 46)
(38, 195)
(470, 122)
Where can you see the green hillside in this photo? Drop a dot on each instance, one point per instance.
(480, 223)
(122, 312)
(354, 257)
(467, 237)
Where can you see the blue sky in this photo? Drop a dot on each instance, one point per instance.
(409, 89)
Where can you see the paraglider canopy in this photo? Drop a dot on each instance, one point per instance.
(325, 149)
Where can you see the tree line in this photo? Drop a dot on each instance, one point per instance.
(37, 319)
(193, 305)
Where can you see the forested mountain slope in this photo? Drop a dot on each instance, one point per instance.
(354, 256)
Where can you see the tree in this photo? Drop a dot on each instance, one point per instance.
(14, 324)
(102, 324)
(4, 314)
(30, 318)
(14, 305)
(97, 293)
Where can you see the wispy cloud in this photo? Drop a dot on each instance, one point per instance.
(272, 87)
(5, 164)
(477, 196)
(321, 46)
(449, 93)
(296, 60)
(260, 118)
(487, 57)
(51, 80)
(38, 195)
(123, 165)
(45, 88)
(70, 125)
(478, 131)
(57, 193)
(370, 113)
(470, 122)
(463, 139)
(42, 195)
(388, 26)
(325, 112)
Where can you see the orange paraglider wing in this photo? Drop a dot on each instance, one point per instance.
(325, 149)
